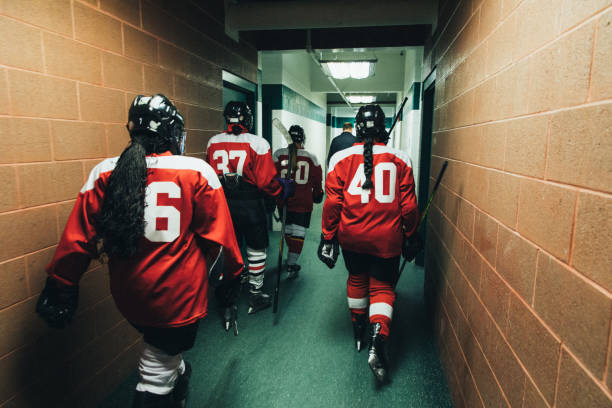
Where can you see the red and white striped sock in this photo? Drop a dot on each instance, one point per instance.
(357, 291)
(257, 266)
(382, 298)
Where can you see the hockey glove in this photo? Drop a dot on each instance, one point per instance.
(57, 303)
(317, 198)
(288, 188)
(227, 295)
(412, 246)
(328, 251)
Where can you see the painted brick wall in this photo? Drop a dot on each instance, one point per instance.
(68, 72)
(519, 263)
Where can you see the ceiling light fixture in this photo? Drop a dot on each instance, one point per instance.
(361, 98)
(349, 69)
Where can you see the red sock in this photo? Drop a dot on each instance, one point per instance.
(294, 243)
(382, 298)
(357, 291)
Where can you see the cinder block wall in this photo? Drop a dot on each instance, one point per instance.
(68, 72)
(519, 262)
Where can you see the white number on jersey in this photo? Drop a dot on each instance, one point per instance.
(153, 212)
(302, 173)
(226, 157)
(379, 183)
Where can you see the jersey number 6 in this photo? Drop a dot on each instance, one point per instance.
(153, 212)
(379, 183)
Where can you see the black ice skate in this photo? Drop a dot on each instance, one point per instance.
(359, 328)
(293, 271)
(181, 387)
(143, 399)
(258, 300)
(377, 354)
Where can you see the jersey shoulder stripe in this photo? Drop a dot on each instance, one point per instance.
(258, 144)
(376, 149)
(312, 157)
(343, 154)
(158, 162)
(280, 152)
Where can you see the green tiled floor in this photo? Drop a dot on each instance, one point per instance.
(306, 358)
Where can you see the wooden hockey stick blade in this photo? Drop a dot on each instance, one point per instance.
(282, 129)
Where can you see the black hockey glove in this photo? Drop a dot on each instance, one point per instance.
(270, 204)
(317, 198)
(328, 251)
(57, 303)
(412, 246)
(227, 295)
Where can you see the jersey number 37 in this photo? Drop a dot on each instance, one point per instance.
(384, 176)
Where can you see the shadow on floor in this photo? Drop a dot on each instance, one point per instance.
(307, 358)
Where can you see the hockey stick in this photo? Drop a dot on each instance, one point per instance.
(399, 112)
(433, 193)
(290, 167)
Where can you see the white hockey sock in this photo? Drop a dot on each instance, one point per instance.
(257, 266)
(158, 370)
(292, 258)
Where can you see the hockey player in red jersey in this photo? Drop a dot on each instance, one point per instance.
(158, 218)
(243, 162)
(308, 189)
(371, 212)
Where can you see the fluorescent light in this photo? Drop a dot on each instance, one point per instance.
(339, 70)
(361, 98)
(346, 69)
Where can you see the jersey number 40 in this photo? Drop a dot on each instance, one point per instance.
(384, 174)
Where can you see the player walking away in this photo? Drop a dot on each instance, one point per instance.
(343, 141)
(370, 210)
(308, 176)
(157, 217)
(244, 165)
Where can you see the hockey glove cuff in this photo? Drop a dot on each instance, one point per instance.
(57, 303)
(412, 246)
(288, 188)
(328, 251)
(317, 198)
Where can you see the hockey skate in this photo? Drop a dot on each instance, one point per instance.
(181, 387)
(258, 300)
(293, 271)
(359, 328)
(377, 354)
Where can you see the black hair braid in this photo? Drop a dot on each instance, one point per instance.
(368, 163)
(121, 223)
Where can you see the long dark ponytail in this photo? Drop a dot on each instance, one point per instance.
(121, 223)
(368, 162)
(155, 126)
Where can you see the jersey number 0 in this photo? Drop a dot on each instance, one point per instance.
(379, 183)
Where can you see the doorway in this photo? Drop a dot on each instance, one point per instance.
(239, 89)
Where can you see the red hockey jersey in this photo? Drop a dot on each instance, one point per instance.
(308, 178)
(165, 284)
(370, 221)
(246, 154)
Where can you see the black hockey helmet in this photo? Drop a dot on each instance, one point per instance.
(370, 123)
(157, 116)
(237, 112)
(297, 134)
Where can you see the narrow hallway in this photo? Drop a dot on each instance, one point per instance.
(307, 359)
